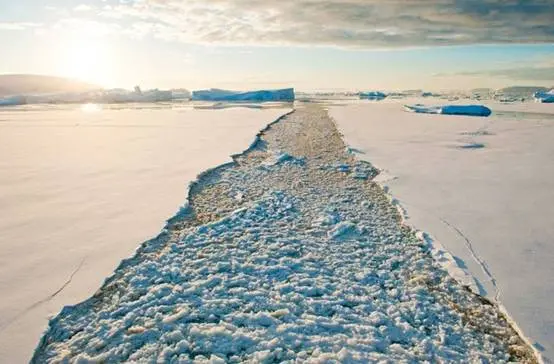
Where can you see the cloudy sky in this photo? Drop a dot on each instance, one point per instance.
(309, 44)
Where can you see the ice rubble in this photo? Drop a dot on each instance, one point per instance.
(125, 170)
(372, 95)
(500, 197)
(311, 265)
(260, 95)
(471, 110)
(545, 97)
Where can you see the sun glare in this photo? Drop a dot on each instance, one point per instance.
(90, 108)
(89, 61)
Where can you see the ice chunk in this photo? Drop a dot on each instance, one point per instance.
(372, 95)
(471, 110)
(226, 95)
(546, 97)
(13, 101)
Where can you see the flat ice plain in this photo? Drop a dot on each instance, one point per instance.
(82, 189)
(487, 180)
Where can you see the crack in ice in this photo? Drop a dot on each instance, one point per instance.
(475, 257)
(48, 298)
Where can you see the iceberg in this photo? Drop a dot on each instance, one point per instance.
(470, 110)
(123, 96)
(545, 97)
(372, 95)
(109, 96)
(226, 95)
(13, 101)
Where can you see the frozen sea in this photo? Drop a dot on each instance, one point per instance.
(482, 187)
(82, 187)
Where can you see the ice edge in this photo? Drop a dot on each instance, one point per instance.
(438, 250)
(183, 212)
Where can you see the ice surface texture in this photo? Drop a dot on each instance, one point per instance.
(483, 187)
(292, 259)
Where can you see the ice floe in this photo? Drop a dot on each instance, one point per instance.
(311, 265)
(471, 110)
(479, 186)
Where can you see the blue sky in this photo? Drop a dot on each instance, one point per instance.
(308, 44)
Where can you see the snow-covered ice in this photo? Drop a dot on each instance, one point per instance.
(470, 110)
(309, 263)
(483, 187)
(81, 190)
(226, 95)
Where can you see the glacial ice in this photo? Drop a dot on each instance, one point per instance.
(12, 101)
(471, 110)
(372, 95)
(108, 96)
(261, 95)
(545, 97)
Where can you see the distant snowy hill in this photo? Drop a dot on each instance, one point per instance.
(37, 84)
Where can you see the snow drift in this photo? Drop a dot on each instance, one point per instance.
(260, 95)
(546, 97)
(471, 110)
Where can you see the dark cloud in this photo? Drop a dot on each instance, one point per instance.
(347, 23)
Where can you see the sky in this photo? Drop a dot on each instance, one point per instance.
(307, 44)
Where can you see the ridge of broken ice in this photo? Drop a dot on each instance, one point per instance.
(470, 110)
(259, 95)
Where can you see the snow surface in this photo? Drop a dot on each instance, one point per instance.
(483, 187)
(81, 190)
(284, 255)
(470, 110)
(226, 95)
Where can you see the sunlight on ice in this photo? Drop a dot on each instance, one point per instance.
(90, 107)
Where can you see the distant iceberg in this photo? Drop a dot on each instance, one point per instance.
(13, 101)
(372, 95)
(109, 96)
(471, 110)
(124, 96)
(546, 97)
(226, 95)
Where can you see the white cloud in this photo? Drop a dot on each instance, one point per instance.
(18, 25)
(347, 23)
(82, 7)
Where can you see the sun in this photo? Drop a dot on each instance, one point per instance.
(88, 60)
